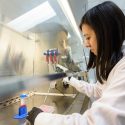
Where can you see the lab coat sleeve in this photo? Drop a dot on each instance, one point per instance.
(108, 110)
(91, 90)
(57, 119)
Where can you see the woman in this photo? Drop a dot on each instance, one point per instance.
(103, 28)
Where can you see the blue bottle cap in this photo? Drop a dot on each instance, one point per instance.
(23, 95)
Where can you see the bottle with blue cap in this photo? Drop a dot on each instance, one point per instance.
(22, 112)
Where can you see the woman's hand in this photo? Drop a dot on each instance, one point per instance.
(66, 80)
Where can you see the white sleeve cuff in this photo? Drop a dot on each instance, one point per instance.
(74, 82)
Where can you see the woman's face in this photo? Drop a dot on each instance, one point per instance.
(90, 40)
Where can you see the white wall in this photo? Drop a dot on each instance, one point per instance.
(120, 3)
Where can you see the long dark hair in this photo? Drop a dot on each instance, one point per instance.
(108, 22)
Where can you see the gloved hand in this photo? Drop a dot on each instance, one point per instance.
(72, 81)
(66, 80)
(33, 114)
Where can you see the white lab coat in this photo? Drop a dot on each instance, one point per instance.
(108, 109)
